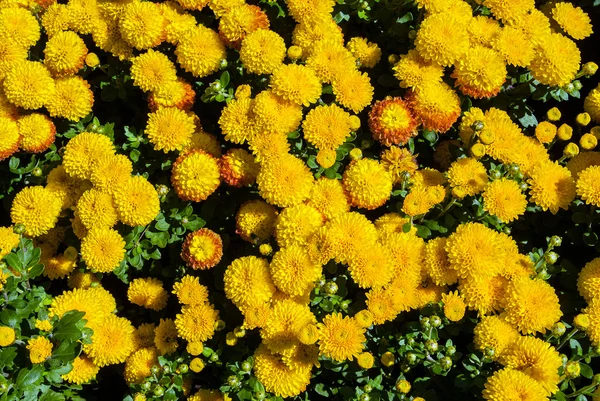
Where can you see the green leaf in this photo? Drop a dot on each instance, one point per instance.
(320, 389)
(66, 328)
(9, 317)
(14, 262)
(52, 396)
(586, 371)
(225, 78)
(162, 225)
(66, 351)
(28, 378)
(7, 356)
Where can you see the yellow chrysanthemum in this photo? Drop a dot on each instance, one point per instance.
(200, 51)
(82, 280)
(37, 208)
(247, 279)
(353, 90)
(102, 249)
(10, 137)
(72, 100)
(329, 59)
(7, 336)
(551, 187)
(58, 266)
(238, 168)
(83, 300)
(137, 201)
(326, 126)
(537, 359)
(37, 132)
(398, 160)
(591, 104)
(367, 183)
(274, 114)
(96, 209)
(82, 152)
(382, 305)
(64, 53)
(413, 71)
(255, 220)
(573, 20)
(436, 105)
(240, 21)
(283, 326)
(111, 171)
(454, 306)
(152, 70)
(480, 72)
(295, 224)
(366, 53)
(494, 333)
(56, 19)
(11, 53)
(467, 177)
(588, 185)
(588, 283)
(142, 25)
(510, 384)
(204, 141)
(391, 121)
(202, 249)
(84, 370)
(29, 85)
(189, 291)
(147, 292)
(293, 272)
(545, 132)
(340, 338)
(144, 335)
(508, 11)
(328, 197)
(165, 337)
(112, 341)
(483, 30)
(503, 198)
(8, 241)
(373, 267)
(169, 128)
(19, 25)
(307, 10)
(40, 349)
(556, 60)
(437, 264)
(179, 94)
(236, 121)
(516, 48)
(296, 83)
(262, 51)
(523, 298)
(284, 181)
(195, 175)
(441, 39)
(196, 322)
(278, 377)
(139, 364)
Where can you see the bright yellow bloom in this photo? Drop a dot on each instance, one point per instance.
(147, 292)
(37, 208)
(503, 198)
(367, 183)
(195, 175)
(137, 201)
(40, 349)
(340, 338)
(202, 249)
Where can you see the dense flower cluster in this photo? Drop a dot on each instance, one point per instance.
(285, 209)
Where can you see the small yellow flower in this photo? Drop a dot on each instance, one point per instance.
(403, 386)
(92, 60)
(581, 321)
(354, 123)
(231, 339)
(40, 348)
(7, 336)
(478, 150)
(195, 348)
(388, 359)
(294, 52)
(197, 365)
(265, 249)
(43, 325)
(589, 68)
(588, 141)
(583, 119)
(326, 158)
(356, 154)
(553, 114)
(565, 132)
(571, 150)
(365, 360)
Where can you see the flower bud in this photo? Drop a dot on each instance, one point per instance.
(231, 339)
(162, 189)
(246, 366)
(183, 368)
(451, 350)
(577, 85)
(446, 363)
(478, 150)
(478, 126)
(265, 249)
(435, 321)
(555, 241)
(294, 52)
(365, 360)
(158, 391)
(559, 329)
(356, 154)
(367, 388)
(326, 157)
(571, 150)
(551, 257)
(495, 174)
(581, 321)
(393, 59)
(573, 369)
(239, 332)
(425, 323)
(589, 68)
(411, 358)
(403, 386)
(37, 172)
(431, 346)
(553, 114)
(596, 131)
(364, 397)
(565, 132)
(569, 88)
(19, 229)
(487, 137)
(583, 119)
(243, 92)
(233, 381)
(219, 325)
(354, 123)
(588, 141)
(388, 359)
(92, 60)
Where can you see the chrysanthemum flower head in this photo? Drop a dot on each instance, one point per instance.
(285, 181)
(8, 240)
(329, 59)
(64, 53)
(29, 85)
(296, 223)
(480, 72)
(506, 384)
(391, 121)
(37, 208)
(373, 267)
(588, 283)
(368, 54)
(11, 53)
(309, 10)
(169, 128)
(413, 71)
(573, 20)
(340, 338)
(189, 291)
(238, 168)
(441, 39)
(545, 132)
(19, 25)
(437, 264)
(283, 326)
(508, 11)
(72, 99)
(296, 83)
(240, 21)
(247, 279)
(353, 90)
(552, 187)
(193, 4)
(177, 20)
(147, 292)
(556, 60)
(37, 132)
(96, 209)
(493, 332)
(503, 198)
(468, 176)
(483, 30)
(152, 70)
(142, 25)
(165, 337)
(102, 249)
(195, 175)
(398, 160)
(454, 306)
(137, 201)
(436, 105)
(110, 171)
(200, 51)
(277, 377)
(84, 370)
(588, 186)
(196, 322)
(293, 271)
(236, 120)
(112, 341)
(56, 19)
(274, 115)
(10, 138)
(82, 151)
(326, 126)
(40, 349)
(328, 197)
(255, 219)
(367, 183)
(139, 364)
(513, 44)
(262, 51)
(202, 249)
(591, 104)
(204, 141)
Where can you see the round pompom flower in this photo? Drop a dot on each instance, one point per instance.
(112, 342)
(10, 53)
(193, 4)
(147, 292)
(37, 208)
(326, 126)
(102, 249)
(82, 152)
(72, 100)
(237, 120)
(179, 94)
(165, 337)
(189, 291)
(398, 160)
(84, 370)
(262, 51)
(295, 224)
(340, 338)
(195, 175)
(522, 305)
(509, 11)
(142, 25)
(196, 322)
(503, 198)
(19, 25)
(247, 280)
(152, 71)
(545, 131)
(588, 283)
(7, 336)
(296, 83)
(10, 138)
(588, 185)
(240, 21)
(437, 265)
(110, 172)
(328, 197)
(391, 121)
(435, 105)
(29, 85)
(516, 48)
(551, 187)
(238, 168)
(367, 183)
(591, 104)
(573, 20)
(274, 115)
(493, 332)
(137, 201)
(202, 249)
(200, 51)
(293, 272)
(306, 10)
(40, 349)
(284, 181)
(441, 39)
(255, 219)
(372, 267)
(139, 364)
(509, 384)
(96, 209)
(556, 60)
(454, 306)
(353, 90)
(169, 128)
(467, 176)
(480, 72)
(368, 54)
(287, 318)
(413, 71)
(37, 132)
(8, 240)
(65, 53)
(329, 59)
(277, 377)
